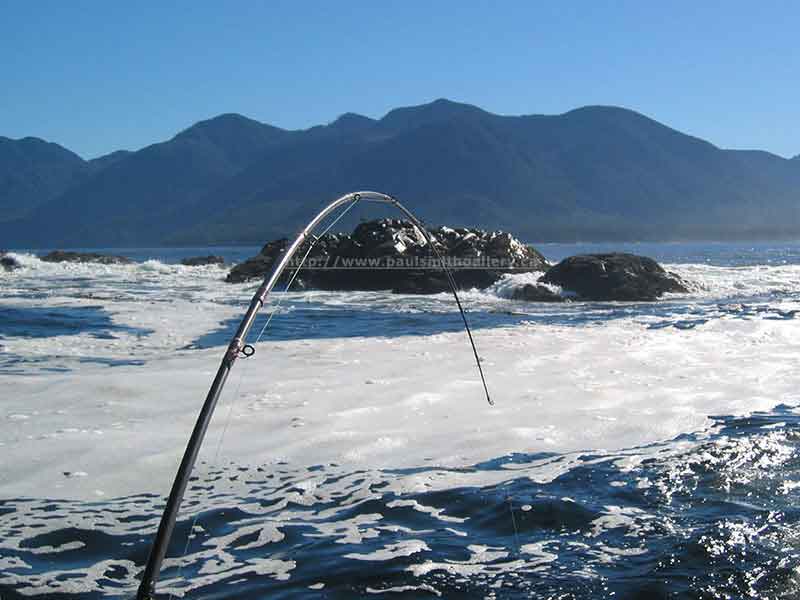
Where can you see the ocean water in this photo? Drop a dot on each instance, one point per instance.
(709, 512)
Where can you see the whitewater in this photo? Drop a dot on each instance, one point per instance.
(633, 448)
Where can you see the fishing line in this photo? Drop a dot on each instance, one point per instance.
(232, 403)
(513, 518)
(453, 287)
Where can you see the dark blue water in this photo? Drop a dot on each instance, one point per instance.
(304, 320)
(54, 321)
(715, 253)
(715, 515)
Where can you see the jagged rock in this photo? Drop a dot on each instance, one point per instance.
(256, 267)
(615, 276)
(536, 293)
(8, 263)
(394, 254)
(85, 257)
(197, 261)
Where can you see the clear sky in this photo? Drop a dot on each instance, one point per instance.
(97, 76)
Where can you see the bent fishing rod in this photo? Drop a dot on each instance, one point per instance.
(238, 347)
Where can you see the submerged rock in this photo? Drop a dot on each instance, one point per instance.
(85, 257)
(8, 263)
(615, 276)
(536, 293)
(393, 254)
(197, 261)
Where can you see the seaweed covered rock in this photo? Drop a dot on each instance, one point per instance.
(614, 276)
(393, 254)
(85, 257)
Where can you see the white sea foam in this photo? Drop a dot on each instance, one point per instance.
(558, 388)
(505, 287)
(718, 282)
(574, 388)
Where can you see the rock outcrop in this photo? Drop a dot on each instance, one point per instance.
(393, 254)
(616, 276)
(85, 257)
(197, 261)
(8, 263)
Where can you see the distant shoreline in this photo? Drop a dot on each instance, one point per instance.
(241, 245)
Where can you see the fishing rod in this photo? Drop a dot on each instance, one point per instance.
(238, 347)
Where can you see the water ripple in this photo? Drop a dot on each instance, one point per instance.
(708, 515)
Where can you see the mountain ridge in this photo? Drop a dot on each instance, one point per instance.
(34, 171)
(594, 172)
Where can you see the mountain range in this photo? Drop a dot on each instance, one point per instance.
(594, 173)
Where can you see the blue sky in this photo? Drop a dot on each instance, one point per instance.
(98, 76)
